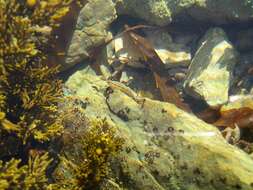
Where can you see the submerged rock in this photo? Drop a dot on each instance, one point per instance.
(126, 52)
(210, 73)
(172, 54)
(243, 74)
(162, 12)
(96, 16)
(243, 40)
(91, 30)
(155, 12)
(238, 101)
(165, 147)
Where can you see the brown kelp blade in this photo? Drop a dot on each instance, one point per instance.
(209, 115)
(95, 51)
(168, 92)
(148, 52)
(93, 54)
(242, 117)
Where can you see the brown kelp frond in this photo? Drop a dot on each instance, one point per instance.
(167, 90)
(235, 113)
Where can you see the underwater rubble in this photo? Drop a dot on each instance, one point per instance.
(126, 94)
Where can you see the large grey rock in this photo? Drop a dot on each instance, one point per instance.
(210, 73)
(165, 149)
(161, 12)
(91, 30)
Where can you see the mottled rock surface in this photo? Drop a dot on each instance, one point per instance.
(162, 12)
(166, 148)
(95, 18)
(210, 73)
(91, 30)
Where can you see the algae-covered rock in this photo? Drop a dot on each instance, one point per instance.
(162, 12)
(91, 30)
(210, 73)
(156, 12)
(165, 148)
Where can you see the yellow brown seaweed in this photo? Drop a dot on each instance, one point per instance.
(30, 176)
(97, 145)
(29, 89)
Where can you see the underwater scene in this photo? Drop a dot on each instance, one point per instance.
(126, 94)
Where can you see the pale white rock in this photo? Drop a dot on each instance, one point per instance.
(173, 59)
(126, 52)
(172, 54)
